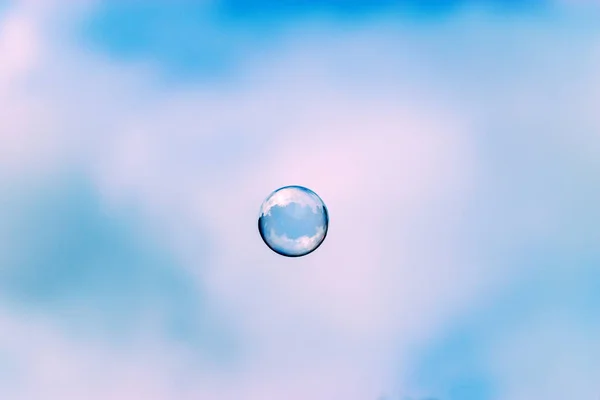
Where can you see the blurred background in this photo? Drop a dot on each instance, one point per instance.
(456, 144)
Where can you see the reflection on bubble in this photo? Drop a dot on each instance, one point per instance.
(293, 221)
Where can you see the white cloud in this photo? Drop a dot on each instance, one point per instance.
(19, 45)
(41, 360)
(286, 196)
(299, 245)
(20, 53)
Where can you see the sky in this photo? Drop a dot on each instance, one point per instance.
(456, 145)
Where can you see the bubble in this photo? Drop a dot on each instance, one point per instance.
(293, 221)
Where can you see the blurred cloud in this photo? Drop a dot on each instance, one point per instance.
(453, 156)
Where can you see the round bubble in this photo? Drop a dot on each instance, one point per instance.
(293, 221)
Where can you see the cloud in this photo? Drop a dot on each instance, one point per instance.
(20, 51)
(394, 127)
(284, 197)
(19, 44)
(298, 245)
(41, 361)
(167, 153)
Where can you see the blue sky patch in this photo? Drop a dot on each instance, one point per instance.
(212, 40)
(97, 270)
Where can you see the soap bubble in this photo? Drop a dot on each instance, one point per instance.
(293, 221)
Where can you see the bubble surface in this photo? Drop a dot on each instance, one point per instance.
(293, 221)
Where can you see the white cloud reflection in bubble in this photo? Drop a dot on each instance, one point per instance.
(293, 221)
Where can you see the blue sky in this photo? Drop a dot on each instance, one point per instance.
(214, 37)
(455, 144)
